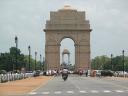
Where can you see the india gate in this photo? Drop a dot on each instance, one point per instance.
(67, 23)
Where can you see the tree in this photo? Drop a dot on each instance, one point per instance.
(20, 57)
(126, 63)
(104, 62)
(4, 59)
(8, 60)
(100, 62)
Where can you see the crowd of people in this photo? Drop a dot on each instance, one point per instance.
(58, 72)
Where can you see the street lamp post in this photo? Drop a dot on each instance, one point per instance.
(16, 41)
(43, 63)
(35, 59)
(94, 64)
(29, 49)
(111, 62)
(40, 61)
(123, 61)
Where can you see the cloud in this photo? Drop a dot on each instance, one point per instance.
(27, 18)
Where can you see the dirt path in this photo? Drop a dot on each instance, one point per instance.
(18, 87)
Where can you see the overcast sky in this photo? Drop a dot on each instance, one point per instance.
(26, 19)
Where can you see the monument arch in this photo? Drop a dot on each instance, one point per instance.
(65, 52)
(67, 23)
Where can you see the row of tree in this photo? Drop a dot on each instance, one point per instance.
(15, 60)
(110, 63)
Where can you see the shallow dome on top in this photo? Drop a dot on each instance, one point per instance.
(65, 51)
(67, 7)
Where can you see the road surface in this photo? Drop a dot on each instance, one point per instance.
(82, 86)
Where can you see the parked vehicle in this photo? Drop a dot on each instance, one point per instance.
(106, 73)
(37, 73)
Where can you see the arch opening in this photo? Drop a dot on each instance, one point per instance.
(67, 54)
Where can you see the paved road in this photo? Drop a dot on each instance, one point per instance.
(82, 86)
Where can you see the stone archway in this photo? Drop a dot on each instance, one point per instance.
(67, 23)
(65, 52)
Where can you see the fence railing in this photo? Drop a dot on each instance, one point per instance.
(14, 76)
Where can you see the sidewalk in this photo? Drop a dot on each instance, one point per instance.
(19, 87)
